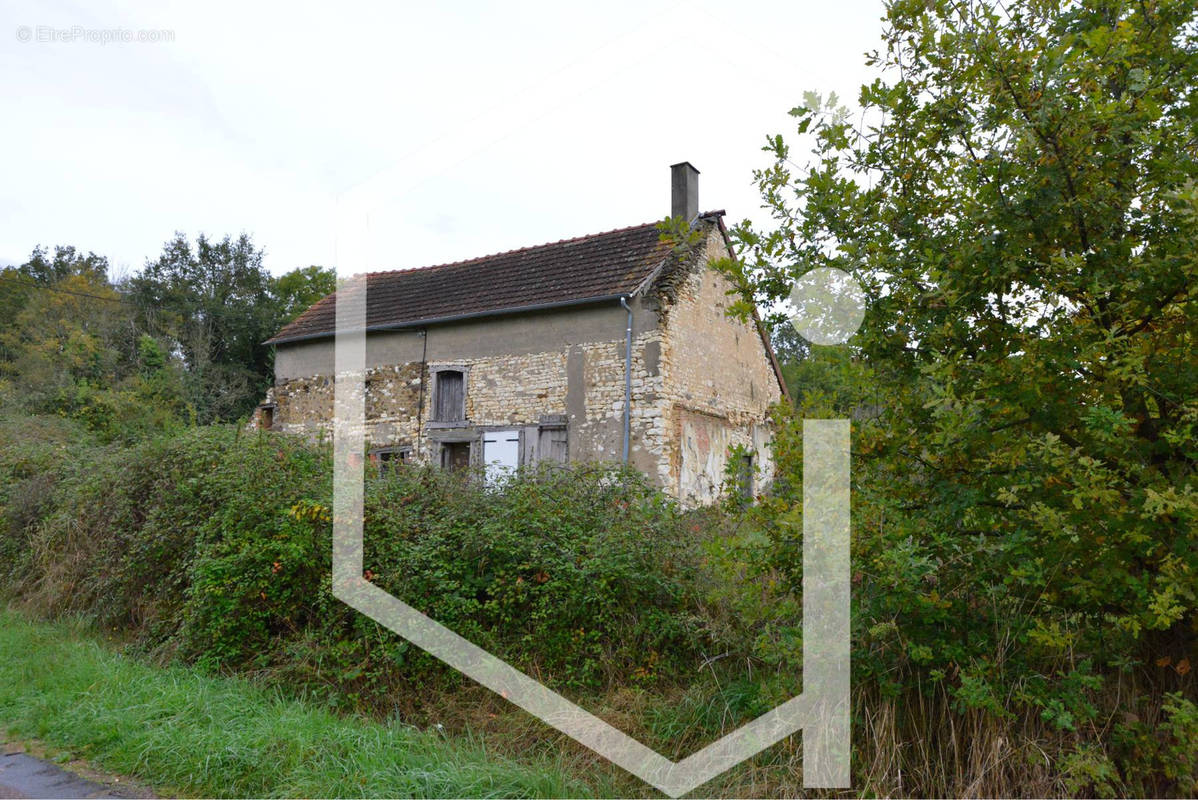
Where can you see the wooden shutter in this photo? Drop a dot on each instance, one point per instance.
(552, 438)
(451, 396)
(552, 445)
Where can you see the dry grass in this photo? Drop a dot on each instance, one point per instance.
(916, 745)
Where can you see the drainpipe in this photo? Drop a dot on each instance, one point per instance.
(627, 378)
(418, 454)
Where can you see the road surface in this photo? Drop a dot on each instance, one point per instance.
(26, 776)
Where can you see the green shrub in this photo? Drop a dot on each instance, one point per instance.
(35, 453)
(215, 545)
(587, 574)
(1160, 759)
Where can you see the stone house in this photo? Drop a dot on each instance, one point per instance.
(608, 347)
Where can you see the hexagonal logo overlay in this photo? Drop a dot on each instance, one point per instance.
(821, 712)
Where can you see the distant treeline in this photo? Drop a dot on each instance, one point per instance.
(180, 342)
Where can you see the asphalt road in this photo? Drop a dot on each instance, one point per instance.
(25, 776)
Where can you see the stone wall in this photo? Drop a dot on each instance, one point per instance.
(515, 389)
(719, 384)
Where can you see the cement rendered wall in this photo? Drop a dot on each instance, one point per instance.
(701, 383)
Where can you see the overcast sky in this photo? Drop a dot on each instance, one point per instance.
(395, 135)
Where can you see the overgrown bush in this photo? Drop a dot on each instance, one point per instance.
(586, 574)
(1011, 633)
(215, 545)
(35, 452)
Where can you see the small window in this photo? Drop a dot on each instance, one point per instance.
(389, 459)
(449, 396)
(746, 477)
(455, 456)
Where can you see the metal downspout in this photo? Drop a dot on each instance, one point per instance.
(419, 453)
(627, 378)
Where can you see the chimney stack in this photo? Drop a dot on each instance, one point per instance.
(684, 191)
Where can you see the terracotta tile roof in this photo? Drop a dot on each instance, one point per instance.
(591, 267)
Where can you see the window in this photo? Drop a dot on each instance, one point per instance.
(449, 396)
(389, 459)
(455, 455)
(746, 477)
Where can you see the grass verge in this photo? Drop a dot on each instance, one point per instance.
(221, 737)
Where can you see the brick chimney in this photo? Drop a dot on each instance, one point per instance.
(684, 191)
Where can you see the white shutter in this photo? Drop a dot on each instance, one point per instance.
(501, 453)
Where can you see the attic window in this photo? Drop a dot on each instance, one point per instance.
(449, 396)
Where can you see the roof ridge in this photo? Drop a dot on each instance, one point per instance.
(513, 251)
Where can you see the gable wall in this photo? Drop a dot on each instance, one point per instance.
(719, 384)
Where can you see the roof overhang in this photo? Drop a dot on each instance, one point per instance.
(417, 324)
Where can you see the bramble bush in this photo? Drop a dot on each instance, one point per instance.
(214, 545)
(584, 573)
